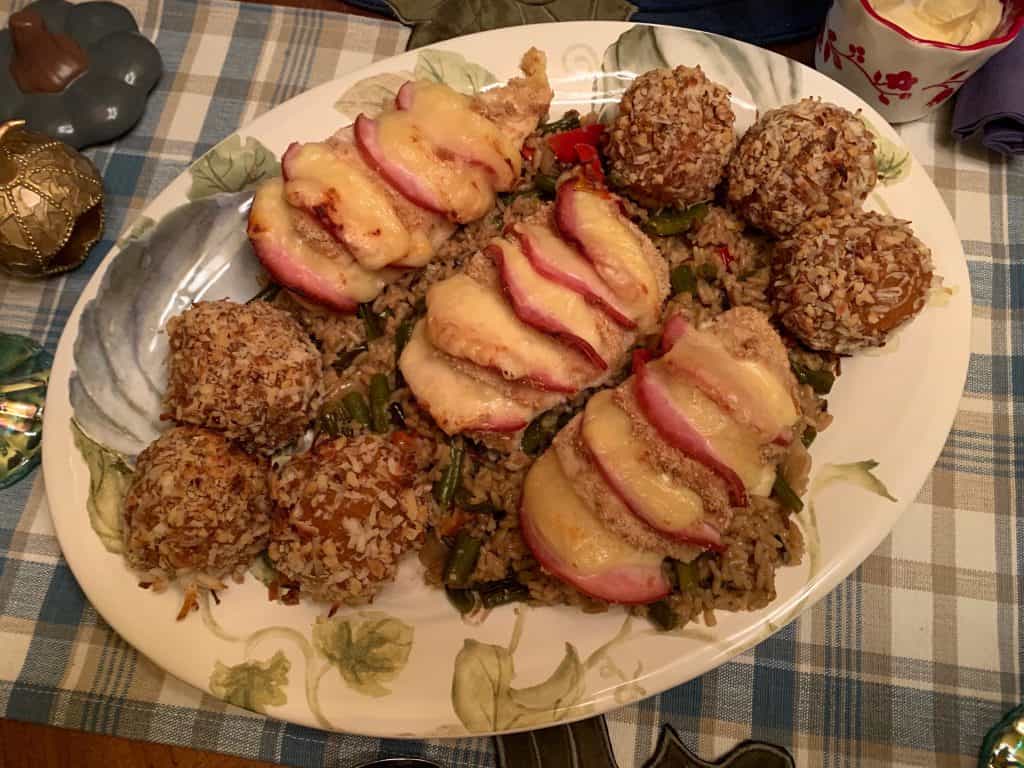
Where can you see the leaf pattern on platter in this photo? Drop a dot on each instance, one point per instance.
(485, 700)
(435, 20)
(199, 250)
(756, 78)
(137, 231)
(892, 160)
(452, 69)
(368, 653)
(24, 378)
(109, 478)
(941, 295)
(859, 473)
(233, 165)
(371, 95)
(253, 685)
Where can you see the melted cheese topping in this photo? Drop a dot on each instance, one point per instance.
(608, 434)
(565, 309)
(737, 446)
(272, 221)
(614, 248)
(748, 388)
(469, 320)
(463, 189)
(361, 212)
(575, 534)
(456, 401)
(447, 118)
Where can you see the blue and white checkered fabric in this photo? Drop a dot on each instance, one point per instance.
(908, 662)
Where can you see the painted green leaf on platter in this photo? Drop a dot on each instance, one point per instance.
(859, 473)
(892, 161)
(253, 685)
(367, 653)
(109, 478)
(231, 166)
(485, 700)
(436, 20)
(452, 69)
(371, 95)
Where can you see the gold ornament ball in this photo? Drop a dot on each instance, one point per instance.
(51, 204)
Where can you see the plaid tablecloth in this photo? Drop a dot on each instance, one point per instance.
(908, 662)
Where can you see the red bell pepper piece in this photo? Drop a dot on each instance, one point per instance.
(727, 257)
(564, 144)
(591, 162)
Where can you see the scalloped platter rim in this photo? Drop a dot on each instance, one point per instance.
(410, 666)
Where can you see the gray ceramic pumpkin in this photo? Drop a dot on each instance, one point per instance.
(79, 73)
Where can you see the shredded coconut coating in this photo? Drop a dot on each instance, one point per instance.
(803, 160)
(345, 512)
(197, 510)
(673, 135)
(247, 370)
(842, 283)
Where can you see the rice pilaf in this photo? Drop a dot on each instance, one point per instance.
(376, 478)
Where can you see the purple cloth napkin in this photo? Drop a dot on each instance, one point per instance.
(993, 100)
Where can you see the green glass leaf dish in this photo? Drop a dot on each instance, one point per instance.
(24, 374)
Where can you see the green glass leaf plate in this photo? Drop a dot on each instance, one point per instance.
(24, 375)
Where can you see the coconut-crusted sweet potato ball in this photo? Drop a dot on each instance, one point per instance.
(842, 283)
(671, 140)
(247, 370)
(346, 511)
(197, 511)
(799, 161)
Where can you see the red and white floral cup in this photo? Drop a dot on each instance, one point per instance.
(902, 76)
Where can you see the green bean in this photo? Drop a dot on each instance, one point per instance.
(464, 600)
(346, 358)
(686, 575)
(567, 122)
(373, 322)
(668, 567)
(683, 280)
(461, 561)
(402, 335)
(486, 508)
(808, 436)
(268, 293)
(675, 222)
(507, 198)
(444, 489)
(783, 549)
(502, 593)
(785, 495)
(380, 394)
(357, 408)
(397, 414)
(662, 615)
(615, 180)
(708, 272)
(333, 419)
(535, 437)
(546, 185)
(820, 379)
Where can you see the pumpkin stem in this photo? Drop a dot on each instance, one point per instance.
(43, 61)
(5, 127)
